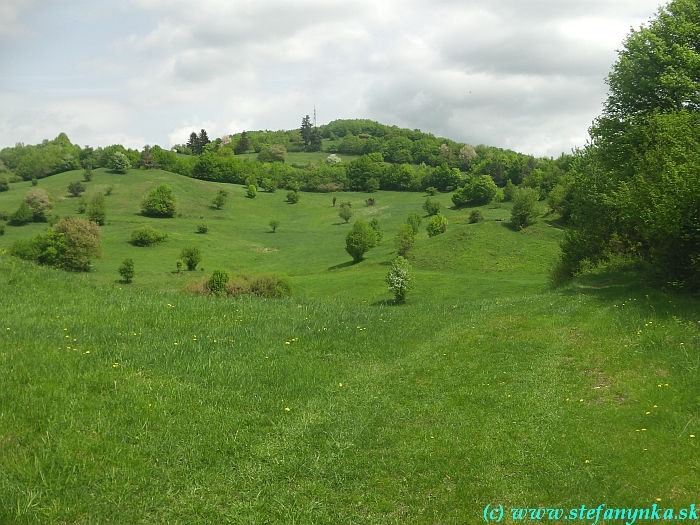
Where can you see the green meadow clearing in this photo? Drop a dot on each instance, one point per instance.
(141, 404)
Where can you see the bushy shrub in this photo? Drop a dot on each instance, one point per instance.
(274, 224)
(525, 207)
(371, 185)
(252, 191)
(97, 210)
(476, 216)
(126, 270)
(159, 202)
(220, 199)
(293, 197)
(109, 190)
(430, 190)
(217, 282)
(332, 159)
(22, 215)
(4, 184)
(432, 206)
(202, 228)
(146, 236)
(191, 256)
(399, 279)
(509, 191)
(360, 239)
(370, 202)
(413, 220)
(87, 174)
(35, 181)
(83, 242)
(437, 225)
(480, 190)
(345, 211)
(119, 163)
(40, 204)
(273, 153)
(269, 185)
(75, 188)
(374, 224)
(82, 205)
(404, 239)
(2, 228)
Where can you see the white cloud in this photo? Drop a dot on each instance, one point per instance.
(11, 12)
(524, 75)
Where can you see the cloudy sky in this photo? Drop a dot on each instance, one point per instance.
(521, 74)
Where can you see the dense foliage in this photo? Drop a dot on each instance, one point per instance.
(69, 245)
(637, 187)
(360, 239)
(159, 202)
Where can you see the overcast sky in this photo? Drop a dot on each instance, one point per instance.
(521, 74)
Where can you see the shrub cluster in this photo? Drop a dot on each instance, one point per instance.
(69, 245)
(437, 225)
(160, 202)
(271, 285)
(146, 236)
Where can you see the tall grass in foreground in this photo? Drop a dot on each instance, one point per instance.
(124, 406)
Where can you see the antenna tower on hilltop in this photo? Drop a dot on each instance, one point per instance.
(314, 116)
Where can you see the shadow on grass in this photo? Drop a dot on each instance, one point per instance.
(386, 302)
(340, 223)
(342, 265)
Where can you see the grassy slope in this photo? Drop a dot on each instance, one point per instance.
(484, 388)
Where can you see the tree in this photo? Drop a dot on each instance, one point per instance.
(242, 145)
(203, 140)
(525, 208)
(217, 282)
(399, 279)
(39, 202)
(480, 190)
(413, 220)
(437, 225)
(97, 210)
(274, 224)
(119, 162)
(467, 154)
(273, 153)
(22, 215)
(75, 188)
(404, 239)
(360, 239)
(191, 256)
(306, 131)
(146, 159)
(432, 206)
(374, 224)
(126, 270)
(345, 211)
(87, 174)
(83, 242)
(159, 202)
(252, 191)
(636, 186)
(193, 143)
(220, 199)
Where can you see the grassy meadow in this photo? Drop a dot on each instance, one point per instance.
(142, 404)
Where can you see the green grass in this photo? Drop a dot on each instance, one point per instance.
(486, 387)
